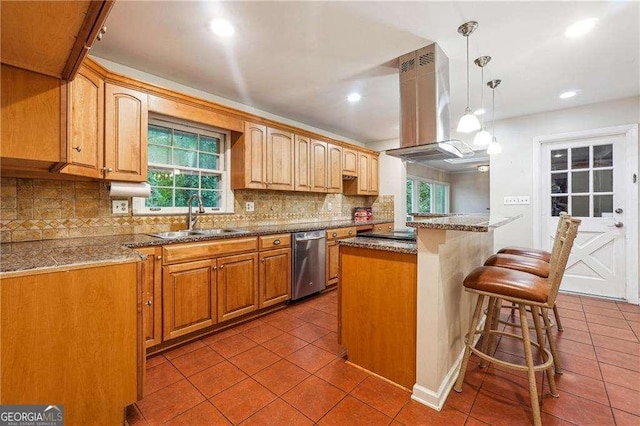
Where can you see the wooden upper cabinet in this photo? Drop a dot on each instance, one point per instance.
(125, 134)
(367, 178)
(334, 168)
(85, 121)
(50, 37)
(237, 285)
(33, 129)
(349, 162)
(255, 140)
(373, 175)
(301, 163)
(318, 166)
(364, 170)
(279, 159)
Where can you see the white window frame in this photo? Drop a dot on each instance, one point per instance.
(226, 194)
(414, 195)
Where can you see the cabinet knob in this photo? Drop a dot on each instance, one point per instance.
(159, 257)
(102, 32)
(263, 260)
(222, 267)
(78, 148)
(276, 242)
(215, 267)
(335, 234)
(149, 303)
(350, 232)
(107, 169)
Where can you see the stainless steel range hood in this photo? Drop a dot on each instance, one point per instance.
(424, 108)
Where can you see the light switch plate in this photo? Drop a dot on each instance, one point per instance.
(249, 206)
(518, 199)
(120, 206)
(330, 206)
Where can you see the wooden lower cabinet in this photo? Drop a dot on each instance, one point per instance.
(333, 261)
(275, 277)
(237, 285)
(152, 296)
(188, 297)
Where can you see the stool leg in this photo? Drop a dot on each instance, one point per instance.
(469, 343)
(496, 322)
(488, 326)
(552, 341)
(552, 381)
(533, 388)
(557, 316)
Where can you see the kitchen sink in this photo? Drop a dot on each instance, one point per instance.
(172, 235)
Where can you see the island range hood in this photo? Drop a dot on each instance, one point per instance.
(424, 109)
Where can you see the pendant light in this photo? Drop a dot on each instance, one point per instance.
(494, 147)
(483, 137)
(468, 122)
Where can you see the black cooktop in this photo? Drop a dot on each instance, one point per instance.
(407, 234)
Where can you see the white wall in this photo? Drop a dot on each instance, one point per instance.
(469, 192)
(512, 170)
(392, 178)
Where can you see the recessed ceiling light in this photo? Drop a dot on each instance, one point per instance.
(221, 27)
(568, 94)
(581, 27)
(480, 111)
(354, 97)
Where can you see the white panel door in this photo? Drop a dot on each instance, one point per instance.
(584, 177)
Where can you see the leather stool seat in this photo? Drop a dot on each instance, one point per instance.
(508, 283)
(520, 263)
(528, 252)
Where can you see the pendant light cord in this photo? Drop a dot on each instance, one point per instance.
(468, 81)
(493, 111)
(482, 95)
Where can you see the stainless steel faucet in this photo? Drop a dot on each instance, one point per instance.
(193, 218)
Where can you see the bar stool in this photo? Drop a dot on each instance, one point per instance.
(526, 291)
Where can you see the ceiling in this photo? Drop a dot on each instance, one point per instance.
(300, 60)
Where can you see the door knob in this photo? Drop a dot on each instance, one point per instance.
(619, 210)
(617, 225)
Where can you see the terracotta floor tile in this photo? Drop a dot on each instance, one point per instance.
(341, 375)
(615, 313)
(600, 303)
(464, 400)
(160, 376)
(620, 376)
(580, 365)
(618, 359)
(624, 399)
(242, 400)
(578, 410)
(313, 397)
(181, 350)
(329, 343)
(497, 410)
(569, 323)
(262, 333)
(573, 298)
(278, 413)
(328, 308)
(286, 323)
(285, 344)
(330, 322)
(581, 386)
(154, 360)
(254, 360)
(635, 326)
(281, 376)
(625, 419)
(511, 386)
(201, 414)
(309, 332)
(615, 344)
(311, 358)
(414, 413)
(608, 321)
(351, 411)
(220, 335)
(134, 416)
(168, 402)
(215, 379)
(605, 330)
(309, 314)
(474, 422)
(631, 316)
(570, 314)
(628, 307)
(249, 325)
(576, 348)
(195, 361)
(381, 395)
(233, 345)
(572, 306)
(573, 334)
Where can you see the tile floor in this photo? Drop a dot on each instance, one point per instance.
(284, 369)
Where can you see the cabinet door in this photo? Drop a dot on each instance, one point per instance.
(125, 134)
(188, 297)
(237, 285)
(349, 162)
(373, 175)
(275, 277)
(334, 169)
(301, 163)
(152, 296)
(279, 159)
(333, 260)
(318, 166)
(85, 125)
(255, 141)
(364, 167)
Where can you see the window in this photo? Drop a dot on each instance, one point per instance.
(425, 196)
(186, 160)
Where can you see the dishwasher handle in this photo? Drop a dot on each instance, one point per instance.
(310, 238)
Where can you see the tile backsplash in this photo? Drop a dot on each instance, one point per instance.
(35, 209)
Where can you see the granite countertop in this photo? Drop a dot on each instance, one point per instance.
(50, 255)
(397, 246)
(461, 222)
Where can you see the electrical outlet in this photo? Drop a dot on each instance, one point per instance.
(330, 206)
(120, 206)
(249, 206)
(518, 199)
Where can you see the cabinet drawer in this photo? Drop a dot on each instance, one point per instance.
(383, 227)
(333, 234)
(275, 241)
(206, 250)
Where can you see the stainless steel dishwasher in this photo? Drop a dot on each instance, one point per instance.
(308, 263)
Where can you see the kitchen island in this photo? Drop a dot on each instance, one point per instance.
(446, 250)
